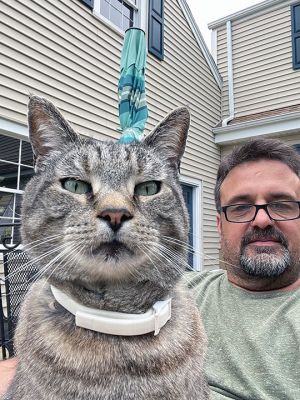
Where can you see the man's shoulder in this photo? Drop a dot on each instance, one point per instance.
(204, 278)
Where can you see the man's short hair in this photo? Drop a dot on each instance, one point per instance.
(254, 150)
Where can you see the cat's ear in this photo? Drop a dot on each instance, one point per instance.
(48, 129)
(170, 135)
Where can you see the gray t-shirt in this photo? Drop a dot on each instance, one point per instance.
(253, 339)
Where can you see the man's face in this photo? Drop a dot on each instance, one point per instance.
(261, 249)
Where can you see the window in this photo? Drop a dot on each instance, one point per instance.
(16, 168)
(122, 14)
(295, 15)
(191, 190)
(297, 148)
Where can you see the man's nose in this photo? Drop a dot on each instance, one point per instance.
(115, 217)
(262, 220)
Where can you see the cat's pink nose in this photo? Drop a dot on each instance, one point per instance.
(115, 217)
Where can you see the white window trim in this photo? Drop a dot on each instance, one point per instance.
(140, 18)
(14, 129)
(197, 220)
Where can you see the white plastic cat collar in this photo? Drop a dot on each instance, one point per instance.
(116, 323)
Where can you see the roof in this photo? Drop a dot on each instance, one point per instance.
(199, 39)
(247, 11)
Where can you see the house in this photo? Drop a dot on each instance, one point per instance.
(257, 51)
(69, 51)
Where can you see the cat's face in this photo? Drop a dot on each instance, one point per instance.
(102, 210)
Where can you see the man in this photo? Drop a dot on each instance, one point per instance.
(250, 312)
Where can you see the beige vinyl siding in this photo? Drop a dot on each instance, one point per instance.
(60, 50)
(264, 78)
(185, 78)
(222, 66)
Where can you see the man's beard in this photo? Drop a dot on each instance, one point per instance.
(266, 262)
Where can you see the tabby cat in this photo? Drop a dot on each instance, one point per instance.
(106, 225)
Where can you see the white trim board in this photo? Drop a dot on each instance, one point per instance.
(197, 220)
(14, 129)
(278, 125)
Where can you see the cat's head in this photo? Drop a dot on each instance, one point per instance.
(100, 211)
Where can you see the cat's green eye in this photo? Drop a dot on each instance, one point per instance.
(147, 188)
(76, 186)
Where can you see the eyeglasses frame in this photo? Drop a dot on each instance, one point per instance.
(259, 207)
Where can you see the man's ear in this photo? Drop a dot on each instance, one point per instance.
(48, 129)
(170, 135)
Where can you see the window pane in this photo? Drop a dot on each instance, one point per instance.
(126, 23)
(9, 231)
(6, 204)
(118, 12)
(104, 8)
(26, 154)
(9, 148)
(187, 192)
(5, 231)
(18, 206)
(25, 175)
(116, 4)
(8, 175)
(116, 17)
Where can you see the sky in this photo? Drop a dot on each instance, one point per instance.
(206, 11)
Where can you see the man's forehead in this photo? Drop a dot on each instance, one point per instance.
(261, 177)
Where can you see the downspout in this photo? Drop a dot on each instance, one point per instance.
(230, 75)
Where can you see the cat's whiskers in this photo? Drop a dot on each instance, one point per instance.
(67, 252)
(146, 252)
(36, 242)
(34, 260)
(38, 274)
(191, 248)
(164, 255)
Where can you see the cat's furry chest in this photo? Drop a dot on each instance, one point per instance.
(83, 362)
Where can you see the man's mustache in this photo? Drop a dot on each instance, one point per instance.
(270, 233)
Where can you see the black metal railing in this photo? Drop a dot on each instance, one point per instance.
(15, 282)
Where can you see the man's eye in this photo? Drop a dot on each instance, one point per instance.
(76, 186)
(241, 208)
(147, 188)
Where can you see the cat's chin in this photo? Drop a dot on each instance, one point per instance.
(110, 261)
(113, 251)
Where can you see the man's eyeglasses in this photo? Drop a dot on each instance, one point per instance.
(276, 211)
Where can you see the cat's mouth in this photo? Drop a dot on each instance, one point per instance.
(113, 249)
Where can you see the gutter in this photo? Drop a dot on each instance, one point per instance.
(230, 75)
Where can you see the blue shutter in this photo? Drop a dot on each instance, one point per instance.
(156, 28)
(187, 192)
(89, 3)
(295, 12)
